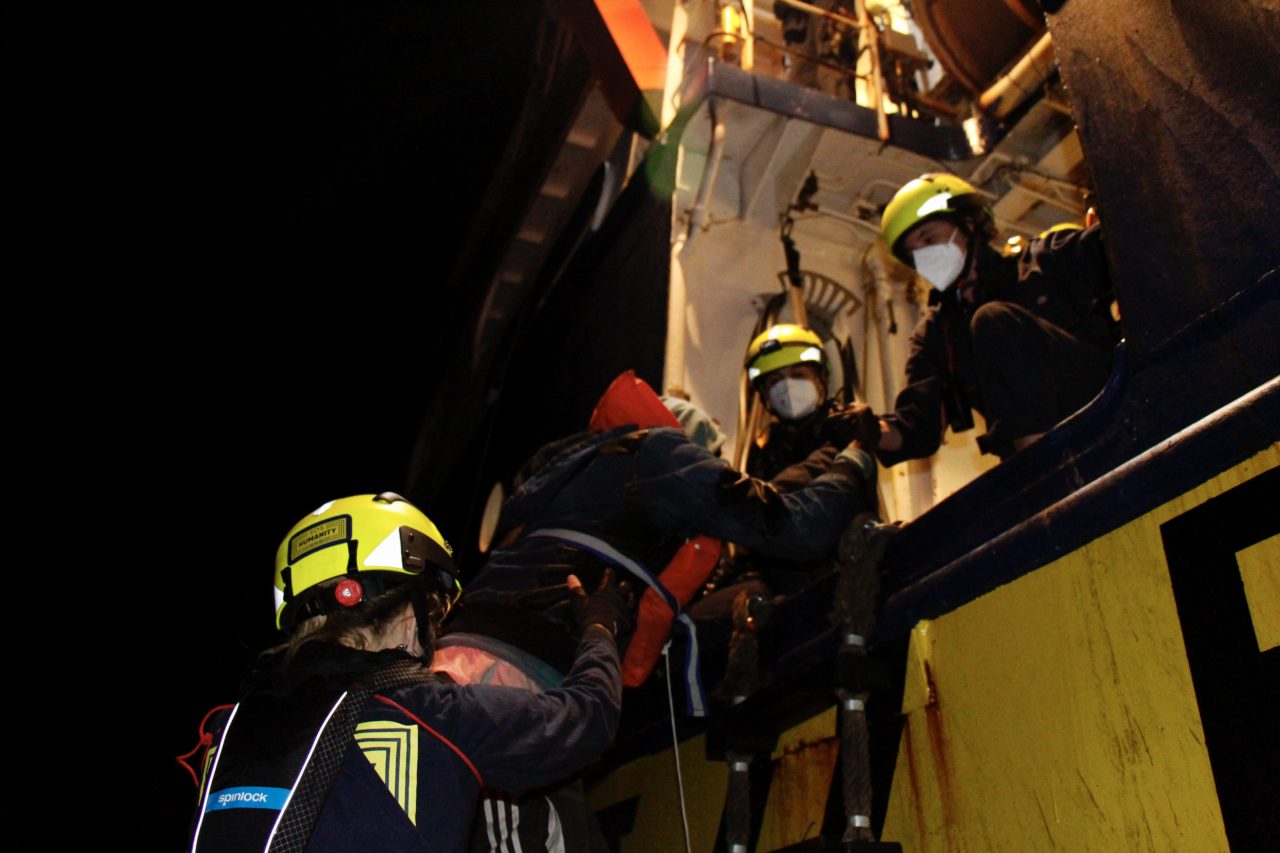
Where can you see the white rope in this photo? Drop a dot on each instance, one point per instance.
(675, 748)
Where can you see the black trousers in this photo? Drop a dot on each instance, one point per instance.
(1031, 373)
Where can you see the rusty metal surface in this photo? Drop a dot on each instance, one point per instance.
(975, 40)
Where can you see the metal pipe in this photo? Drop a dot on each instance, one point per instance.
(1052, 201)
(876, 265)
(677, 305)
(677, 290)
(698, 216)
(841, 217)
(876, 81)
(1030, 72)
(677, 299)
(875, 262)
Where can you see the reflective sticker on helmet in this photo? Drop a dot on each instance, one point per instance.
(934, 204)
(387, 553)
(247, 798)
(331, 531)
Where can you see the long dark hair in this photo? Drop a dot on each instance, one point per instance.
(354, 626)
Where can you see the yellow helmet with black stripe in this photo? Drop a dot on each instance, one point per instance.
(933, 195)
(353, 549)
(783, 345)
(1061, 226)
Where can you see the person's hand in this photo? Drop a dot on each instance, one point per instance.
(852, 423)
(611, 606)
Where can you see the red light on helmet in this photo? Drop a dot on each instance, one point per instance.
(348, 592)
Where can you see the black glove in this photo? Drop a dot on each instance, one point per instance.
(852, 423)
(612, 606)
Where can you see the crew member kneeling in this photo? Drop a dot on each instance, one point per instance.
(1025, 340)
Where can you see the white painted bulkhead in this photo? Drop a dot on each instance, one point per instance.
(740, 168)
(728, 260)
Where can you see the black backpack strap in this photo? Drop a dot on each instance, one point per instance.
(317, 779)
(322, 770)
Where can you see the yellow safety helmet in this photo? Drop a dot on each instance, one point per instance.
(369, 544)
(933, 195)
(1061, 226)
(782, 345)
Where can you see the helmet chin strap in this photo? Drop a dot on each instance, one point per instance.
(969, 229)
(422, 614)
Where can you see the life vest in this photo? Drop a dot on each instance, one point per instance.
(278, 758)
(686, 571)
(683, 577)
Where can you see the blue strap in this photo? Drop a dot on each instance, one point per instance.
(695, 698)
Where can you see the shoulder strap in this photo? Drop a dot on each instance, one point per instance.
(318, 775)
(322, 770)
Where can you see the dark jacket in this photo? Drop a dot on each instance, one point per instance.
(411, 777)
(788, 458)
(644, 492)
(793, 456)
(1061, 280)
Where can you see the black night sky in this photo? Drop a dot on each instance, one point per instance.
(235, 234)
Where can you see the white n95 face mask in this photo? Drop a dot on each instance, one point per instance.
(941, 264)
(794, 398)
